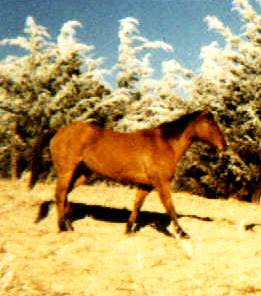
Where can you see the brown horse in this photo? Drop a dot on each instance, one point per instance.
(147, 158)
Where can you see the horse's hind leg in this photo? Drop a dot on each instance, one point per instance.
(140, 197)
(63, 187)
(81, 181)
(165, 196)
(81, 175)
(65, 183)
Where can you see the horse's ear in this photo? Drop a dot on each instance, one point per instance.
(205, 110)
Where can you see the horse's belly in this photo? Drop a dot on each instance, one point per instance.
(112, 166)
(134, 168)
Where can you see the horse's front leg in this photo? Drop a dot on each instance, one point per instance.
(139, 200)
(164, 191)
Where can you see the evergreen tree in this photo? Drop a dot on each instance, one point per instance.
(52, 84)
(229, 84)
(140, 100)
(57, 82)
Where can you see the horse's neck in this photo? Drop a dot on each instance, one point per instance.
(181, 143)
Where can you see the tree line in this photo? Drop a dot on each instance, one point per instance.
(57, 82)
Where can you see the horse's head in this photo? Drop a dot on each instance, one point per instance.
(207, 130)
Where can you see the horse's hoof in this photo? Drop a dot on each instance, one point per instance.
(185, 236)
(129, 231)
(129, 228)
(70, 228)
(181, 234)
(66, 229)
(65, 226)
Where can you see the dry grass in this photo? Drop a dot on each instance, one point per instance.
(223, 256)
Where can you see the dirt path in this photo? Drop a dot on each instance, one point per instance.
(223, 256)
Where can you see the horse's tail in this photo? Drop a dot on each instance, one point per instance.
(36, 155)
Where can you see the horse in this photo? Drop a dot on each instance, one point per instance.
(146, 158)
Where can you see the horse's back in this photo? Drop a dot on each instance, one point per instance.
(128, 157)
(68, 143)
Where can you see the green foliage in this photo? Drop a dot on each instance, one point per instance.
(233, 92)
(55, 83)
(47, 88)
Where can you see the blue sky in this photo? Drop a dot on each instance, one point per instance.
(178, 22)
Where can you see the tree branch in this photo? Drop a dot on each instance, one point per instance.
(11, 110)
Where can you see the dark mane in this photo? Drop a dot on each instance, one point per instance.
(178, 126)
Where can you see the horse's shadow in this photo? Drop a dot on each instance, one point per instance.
(158, 221)
(113, 215)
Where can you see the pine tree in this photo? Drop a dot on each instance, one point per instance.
(140, 100)
(230, 84)
(51, 85)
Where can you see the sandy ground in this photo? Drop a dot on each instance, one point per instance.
(223, 256)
